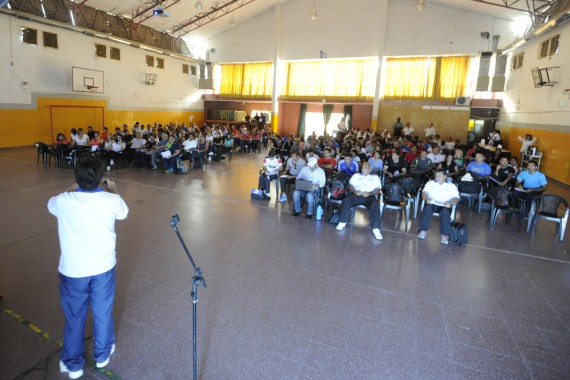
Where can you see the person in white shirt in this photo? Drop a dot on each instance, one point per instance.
(292, 168)
(271, 167)
(364, 189)
(526, 142)
(86, 218)
(136, 144)
(314, 174)
(341, 126)
(439, 196)
(430, 131)
(190, 143)
(408, 130)
(435, 156)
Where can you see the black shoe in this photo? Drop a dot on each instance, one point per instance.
(296, 214)
(309, 216)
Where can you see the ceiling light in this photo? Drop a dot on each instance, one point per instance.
(199, 5)
(420, 6)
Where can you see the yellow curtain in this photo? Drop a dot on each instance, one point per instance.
(341, 79)
(247, 80)
(453, 77)
(409, 78)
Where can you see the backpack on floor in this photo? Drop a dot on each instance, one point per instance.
(181, 165)
(334, 217)
(458, 234)
(337, 186)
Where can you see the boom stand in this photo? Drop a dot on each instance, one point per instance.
(197, 280)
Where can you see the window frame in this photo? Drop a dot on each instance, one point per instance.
(149, 60)
(53, 37)
(548, 47)
(23, 31)
(160, 63)
(98, 50)
(185, 69)
(116, 55)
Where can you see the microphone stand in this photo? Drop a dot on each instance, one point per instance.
(197, 280)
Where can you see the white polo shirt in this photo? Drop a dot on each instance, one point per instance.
(366, 184)
(441, 194)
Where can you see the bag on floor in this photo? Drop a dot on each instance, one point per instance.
(334, 217)
(181, 165)
(458, 234)
(257, 194)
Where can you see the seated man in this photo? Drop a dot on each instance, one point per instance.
(348, 165)
(271, 168)
(439, 196)
(175, 149)
(435, 156)
(136, 144)
(503, 173)
(158, 149)
(421, 167)
(292, 168)
(363, 190)
(394, 168)
(479, 167)
(530, 184)
(316, 175)
(327, 163)
(142, 155)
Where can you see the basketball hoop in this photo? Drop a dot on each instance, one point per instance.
(92, 88)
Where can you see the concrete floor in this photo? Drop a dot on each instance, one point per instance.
(287, 298)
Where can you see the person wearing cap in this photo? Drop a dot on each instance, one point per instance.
(364, 189)
(316, 175)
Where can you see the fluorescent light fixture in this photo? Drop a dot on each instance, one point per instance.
(72, 17)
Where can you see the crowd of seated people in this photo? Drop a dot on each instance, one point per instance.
(144, 146)
(395, 158)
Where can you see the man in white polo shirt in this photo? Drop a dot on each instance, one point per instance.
(439, 196)
(86, 225)
(364, 188)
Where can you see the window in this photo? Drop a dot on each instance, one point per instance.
(315, 122)
(548, 47)
(517, 61)
(193, 70)
(101, 51)
(150, 61)
(29, 36)
(184, 69)
(160, 63)
(50, 40)
(115, 53)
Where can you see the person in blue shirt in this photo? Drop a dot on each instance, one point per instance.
(479, 167)
(348, 165)
(530, 184)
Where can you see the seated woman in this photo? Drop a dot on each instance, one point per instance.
(245, 143)
(450, 167)
(376, 163)
(60, 147)
(116, 152)
(228, 145)
(200, 152)
(256, 140)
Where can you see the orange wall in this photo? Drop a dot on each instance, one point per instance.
(23, 127)
(554, 146)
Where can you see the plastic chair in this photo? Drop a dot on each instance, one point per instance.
(546, 207)
(45, 151)
(411, 188)
(505, 202)
(394, 197)
(472, 190)
(451, 215)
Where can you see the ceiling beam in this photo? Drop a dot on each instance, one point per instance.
(213, 13)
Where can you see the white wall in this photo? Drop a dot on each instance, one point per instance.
(523, 103)
(48, 71)
(355, 29)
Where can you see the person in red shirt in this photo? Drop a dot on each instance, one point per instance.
(104, 134)
(412, 155)
(327, 163)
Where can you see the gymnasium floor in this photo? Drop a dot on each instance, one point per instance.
(287, 298)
